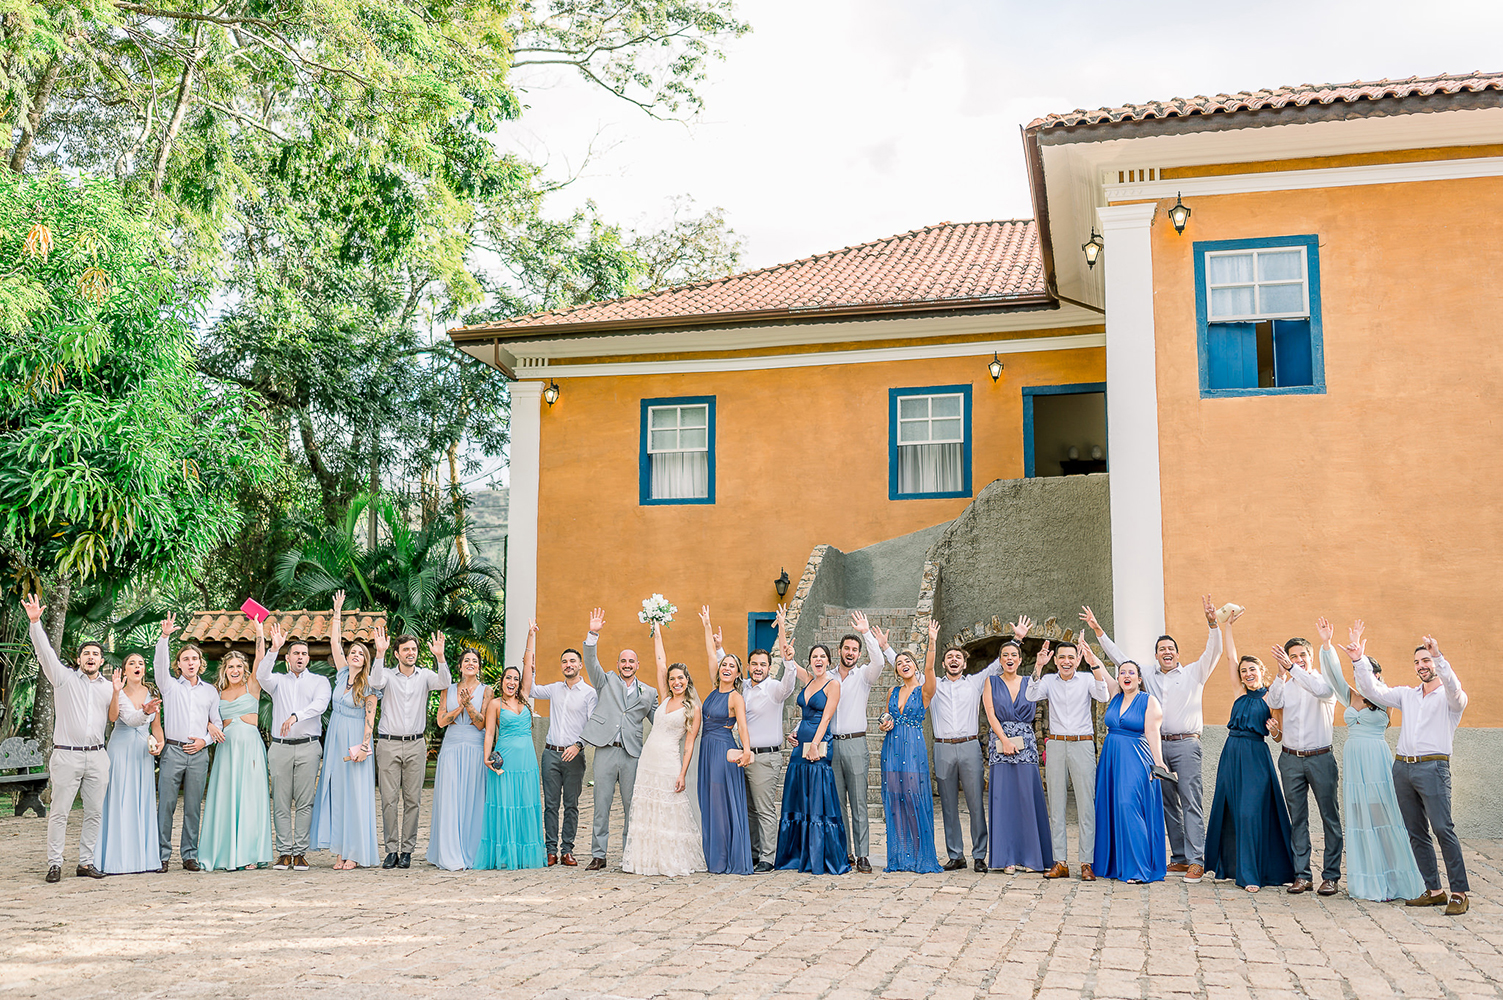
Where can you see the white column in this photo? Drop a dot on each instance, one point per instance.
(1132, 415)
(522, 517)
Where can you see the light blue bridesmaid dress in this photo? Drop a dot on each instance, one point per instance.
(128, 831)
(458, 814)
(344, 807)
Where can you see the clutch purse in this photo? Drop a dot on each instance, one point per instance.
(495, 759)
(733, 755)
(1164, 774)
(355, 751)
(820, 749)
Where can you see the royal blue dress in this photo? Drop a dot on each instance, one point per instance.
(128, 830)
(907, 796)
(344, 807)
(1129, 802)
(513, 833)
(458, 813)
(725, 829)
(811, 836)
(1017, 812)
(1247, 836)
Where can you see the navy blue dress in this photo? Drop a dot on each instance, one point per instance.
(811, 836)
(1017, 813)
(1247, 837)
(907, 796)
(724, 828)
(1129, 803)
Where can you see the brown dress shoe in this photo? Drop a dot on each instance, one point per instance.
(1298, 886)
(864, 866)
(552, 860)
(1428, 899)
(1457, 904)
(1195, 873)
(190, 865)
(1086, 875)
(1327, 888)
(568, 861)
(163, 869)
(595, 865)
(1177, 868)
(299, 863)
(1060, 870)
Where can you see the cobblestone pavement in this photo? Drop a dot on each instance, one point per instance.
(564, 934)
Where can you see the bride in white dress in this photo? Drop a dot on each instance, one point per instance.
(664, 836)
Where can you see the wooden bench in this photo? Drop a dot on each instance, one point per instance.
(21, 755)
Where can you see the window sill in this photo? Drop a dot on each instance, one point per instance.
(929, 496)
(1291, 390)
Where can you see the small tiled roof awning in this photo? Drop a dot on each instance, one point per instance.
(218, 632)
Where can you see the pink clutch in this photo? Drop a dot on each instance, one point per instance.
(254, 611)
(355, 751)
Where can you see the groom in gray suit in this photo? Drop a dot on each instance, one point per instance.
(615, 731)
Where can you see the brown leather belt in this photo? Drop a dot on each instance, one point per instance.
(849, 736)
(1424, 757)
(1180, 736)
(1071, 739)
(1307, 753)
(961, 739)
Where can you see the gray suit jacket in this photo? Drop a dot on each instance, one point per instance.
(613, 720)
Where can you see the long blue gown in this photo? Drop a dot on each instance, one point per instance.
(1247, 836)
(236, 830)
(725, 829)
(1129, 802)
(811, 836)
(1379, 861)
(458, 813)
(344, 807)
(907, 795)
(1017, 812)
(513, 832)
(128, 830)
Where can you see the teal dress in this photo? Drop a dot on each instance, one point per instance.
(512, 834)
(236, 829)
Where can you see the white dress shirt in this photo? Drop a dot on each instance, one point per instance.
(569, 708)
(764, 707)
(1309, 704)
(305, 695)
(404, 697)
(1069, 701)
(956, 703)
(187, 708)
(81, 706)
(1430, 720)
(1179, 690)
(856, 688)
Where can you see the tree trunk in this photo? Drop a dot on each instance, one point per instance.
(179, 112)
(33, 120)
(44, 711)
(460, 547)
(370, 528)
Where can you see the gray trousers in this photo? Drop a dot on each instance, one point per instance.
(957, 768)
(1424, 793)
(1300, 776)
(1184, 803)
(294, 780)
(762, 804)
(180, 771)
(562, 782)
(852, 760)
(613, 766)
(74, 771)
(401, 766)
(1072, 763)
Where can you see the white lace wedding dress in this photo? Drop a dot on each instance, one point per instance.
(664, 836)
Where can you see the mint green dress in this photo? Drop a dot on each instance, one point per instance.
(236, 830)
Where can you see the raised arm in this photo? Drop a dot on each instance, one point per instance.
(1330, 664)
(592, 662)
(1098, 670)
(442, 676)
(704, 618)
(529, 661)
(784, 682)
(252, 681)
(1108, 647)
(376, 678)
(661, 657)
(931, 676)
(40, 644)
(264, 676)
(1038, 685)
(161, 671)
(1202, 667)
(1456, 698)
(117, 681)
(336, 639)
(875, 659)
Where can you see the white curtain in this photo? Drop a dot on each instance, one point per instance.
(929, 468)
(680, 475)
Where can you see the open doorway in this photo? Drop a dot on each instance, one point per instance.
(1064, 429)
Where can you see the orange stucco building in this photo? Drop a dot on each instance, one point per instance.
(1301, 399)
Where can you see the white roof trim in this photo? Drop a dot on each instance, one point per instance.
(1301, 180)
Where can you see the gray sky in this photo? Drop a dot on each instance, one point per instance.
(841, 121)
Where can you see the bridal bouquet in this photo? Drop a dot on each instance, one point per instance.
(656, 610)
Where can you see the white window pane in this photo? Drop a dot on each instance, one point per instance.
(663, 416)
(917, 430)
(1231, 302)
(694, 437)
(1281, 298)
(663, 441)
(930, 468)
(910, 407)
(1229, 269)
(1283, 265)
(945, 406)
(945, 430)
(693, 416)
(681, 476)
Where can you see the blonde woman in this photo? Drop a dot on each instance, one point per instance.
(907, 795)
(237, 813)
(1247, 836)
(128, 833)
(664, 838)
(344, 807)
(724, 753)
(512, 834)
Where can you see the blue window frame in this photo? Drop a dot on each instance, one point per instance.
(677, 456)
(929, 442)
(1031, 391)
(1257, 312)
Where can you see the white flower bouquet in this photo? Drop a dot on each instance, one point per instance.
(656, 611)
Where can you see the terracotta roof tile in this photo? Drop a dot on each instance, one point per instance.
(940, 265)
(1277, 97)
(234, 626)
